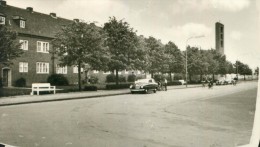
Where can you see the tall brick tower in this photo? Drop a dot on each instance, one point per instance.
(219, 30)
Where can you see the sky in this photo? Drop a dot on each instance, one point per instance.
(172, 20)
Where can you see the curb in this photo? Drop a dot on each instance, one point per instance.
(62, 99)
(77, 98)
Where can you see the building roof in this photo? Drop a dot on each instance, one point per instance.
(37, 24)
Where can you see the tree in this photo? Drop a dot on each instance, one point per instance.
(81, 44)
(243, 69)
(9, 46)
(196, 64)
(155, 55)
(174, 60)
(213, 64)
(230, 67)
(122, 45)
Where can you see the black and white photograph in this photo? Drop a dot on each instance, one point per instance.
(129, 73)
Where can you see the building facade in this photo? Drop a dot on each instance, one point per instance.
(35, 32)
(219, 32)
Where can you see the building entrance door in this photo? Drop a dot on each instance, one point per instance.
(6, 79)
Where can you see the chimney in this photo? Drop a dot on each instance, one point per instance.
(2, 3)
(29, 9)
(53, 15)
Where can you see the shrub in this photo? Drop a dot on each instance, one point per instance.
(20, 82)
(121, 78)
(119, 86)
(174, 83)
(158, 77)
(194, 82)
(131, 78)
(177, 77)
(58, 80)
(90, 88)
(1, 83)
(93, 79)
(110, 78)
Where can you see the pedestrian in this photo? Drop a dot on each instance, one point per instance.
(165, 84)
(210, 84)
(159, 85)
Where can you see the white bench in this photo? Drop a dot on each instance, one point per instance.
(42, 87)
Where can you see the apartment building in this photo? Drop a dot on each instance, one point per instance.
(35, 32)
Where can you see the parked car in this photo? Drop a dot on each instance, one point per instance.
(144, 85)
(228, 81)
(221, 81)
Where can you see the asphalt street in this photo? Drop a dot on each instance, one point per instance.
(198, 117)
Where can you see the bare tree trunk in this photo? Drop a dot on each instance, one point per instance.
(79, 75)
(170, 76)
(116, 76)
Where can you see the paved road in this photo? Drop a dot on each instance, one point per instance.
(198, 117)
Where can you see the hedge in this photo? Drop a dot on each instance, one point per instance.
(90, 88)
(58, 80)
(174, 83)
(20, 82)
(119, 86)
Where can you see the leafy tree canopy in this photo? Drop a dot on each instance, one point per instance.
(9, 46)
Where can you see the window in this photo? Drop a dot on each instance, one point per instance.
(75, 69)
(42, 67)
(24, 44)
(22, 24)
(61, 69)
(221, 29)
(222, 43)
(2, 20)
(42, 47)
(23, 66)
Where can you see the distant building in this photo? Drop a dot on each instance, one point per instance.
(219, 30)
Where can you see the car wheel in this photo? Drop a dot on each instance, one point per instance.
(146, 91)
(154, 91)
(132, 92)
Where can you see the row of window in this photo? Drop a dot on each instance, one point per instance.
(120, 72)
(43, 68)
(41, 46)
(21, 22)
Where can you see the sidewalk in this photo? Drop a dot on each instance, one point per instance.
(27, 99)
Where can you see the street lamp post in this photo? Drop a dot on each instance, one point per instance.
(186, 57)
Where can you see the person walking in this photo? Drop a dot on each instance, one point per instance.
(165, 84)
(159, 85)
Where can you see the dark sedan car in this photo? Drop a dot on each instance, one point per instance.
(144, 85)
